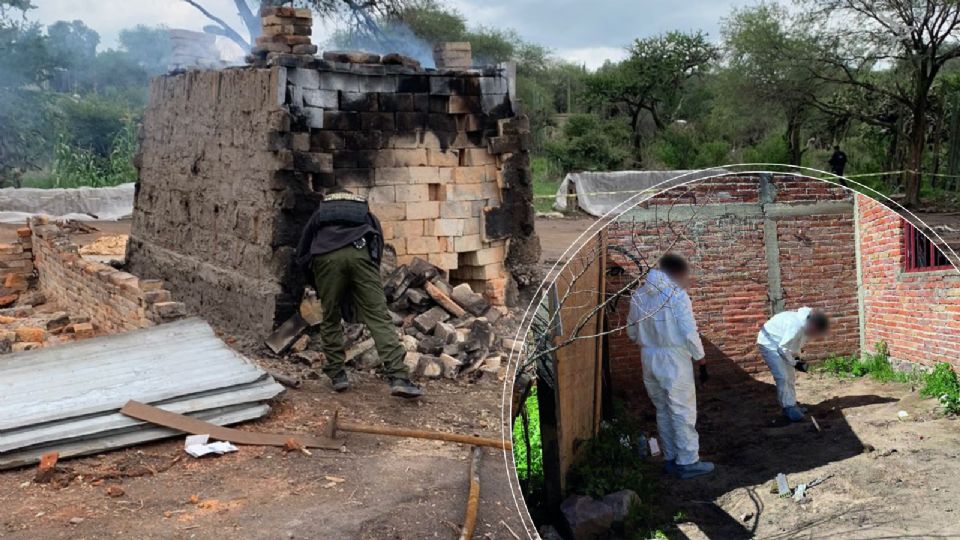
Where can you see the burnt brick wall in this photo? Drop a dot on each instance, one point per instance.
(114, 300)
(726, 246)
(917, 314)
(16, 267)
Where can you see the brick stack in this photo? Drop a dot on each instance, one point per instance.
(16, 267)
(285, 36)
(453, 55)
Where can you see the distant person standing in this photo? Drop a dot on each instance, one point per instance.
(838, 162)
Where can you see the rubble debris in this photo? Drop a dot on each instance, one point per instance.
(197, 446)
(115, 491)
(47, 467)
(783, 488)
(285, 36)
(799, 494)
(288, 333)
(181, 364)
(473, 302)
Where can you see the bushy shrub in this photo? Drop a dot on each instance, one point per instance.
(943, 384)
(589, 144)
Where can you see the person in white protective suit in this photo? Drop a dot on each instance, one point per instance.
(781, 342)
(661, 322)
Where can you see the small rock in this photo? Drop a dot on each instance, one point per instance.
(115, 491)
(427, 321)
(76, 520)
(621, 502)
(586, 518)
(431, 367)
(300, 344)
(412, 361)
(430, 345)
(450, 366)
(473, 302)
(409, 343)
(446, 332)
(491, 364)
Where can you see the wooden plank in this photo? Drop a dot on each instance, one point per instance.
(145, 412)
(578, 362)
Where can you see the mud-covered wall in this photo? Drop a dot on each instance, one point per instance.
(210, 190)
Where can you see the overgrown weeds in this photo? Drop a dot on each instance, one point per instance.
(941, 383)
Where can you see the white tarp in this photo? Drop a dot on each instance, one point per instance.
(597, 193)
(83, 204)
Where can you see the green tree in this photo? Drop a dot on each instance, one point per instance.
(590, 144)
(761, 53)
(73, 45)
(916, 39)
(653, 78)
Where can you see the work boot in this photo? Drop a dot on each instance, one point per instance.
(700, 468)
(404, 388)
(794, 413)
(670, 466)
(340, 382)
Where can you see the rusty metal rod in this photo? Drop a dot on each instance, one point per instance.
(345, 425)
(473, 497)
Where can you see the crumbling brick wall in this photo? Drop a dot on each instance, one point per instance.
(115, 301)
(917, 314)
(732, 230)
(233, 163)
(16, 267)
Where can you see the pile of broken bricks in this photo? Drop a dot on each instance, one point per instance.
(24, 327)
(448, 331)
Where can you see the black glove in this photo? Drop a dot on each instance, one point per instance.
(704, 376)
(800, 366)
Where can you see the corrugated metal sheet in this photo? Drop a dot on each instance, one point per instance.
(68, 398)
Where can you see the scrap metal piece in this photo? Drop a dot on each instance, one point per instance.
(194, 426)
(782, 486)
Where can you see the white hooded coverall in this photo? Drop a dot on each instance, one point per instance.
(661, 322)
(781, 340)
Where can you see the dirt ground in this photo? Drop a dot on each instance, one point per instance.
(380, 488)
(886, 477)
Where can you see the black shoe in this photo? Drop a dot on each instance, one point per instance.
(340, 382)
(404, 388)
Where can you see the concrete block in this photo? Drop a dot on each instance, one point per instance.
(358, 101)
(324, 99)
(409, 228)
(413, 193)
(468, 243)
(470, 175)
(410, 121)
(493, 85)
(378, 121)
(314, 117)
(457, 209)
(485, 256)
(382, 194)
(313, 162)
(402, 157)
(480, 273)
(393, 102)
(465, 192)
(471, 157)
(464, 105)
(391, 211)
(422, 245)
(446, 261)
(346, 82)
(303, 77)
(495, 104)
(342, 121)
(448, 227)
(423, 210)
(354, 177)
(443, 158)
(385, 84)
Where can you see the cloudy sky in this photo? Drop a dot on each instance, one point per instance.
(584, 31)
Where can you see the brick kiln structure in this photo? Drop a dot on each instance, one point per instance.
(757, 245)
(232, 164)
(764, 243)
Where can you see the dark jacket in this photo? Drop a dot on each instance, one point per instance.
(338, 223)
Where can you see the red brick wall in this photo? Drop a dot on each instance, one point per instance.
(730, 274)
(916, 313)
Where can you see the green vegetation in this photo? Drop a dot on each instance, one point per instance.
(941, 383)
(532, 473)
(611, 462)
(70, 112)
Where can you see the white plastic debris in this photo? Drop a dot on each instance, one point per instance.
(800, 493)
(197, 446)
(782, 486)
(654, 447)
(902, 415)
